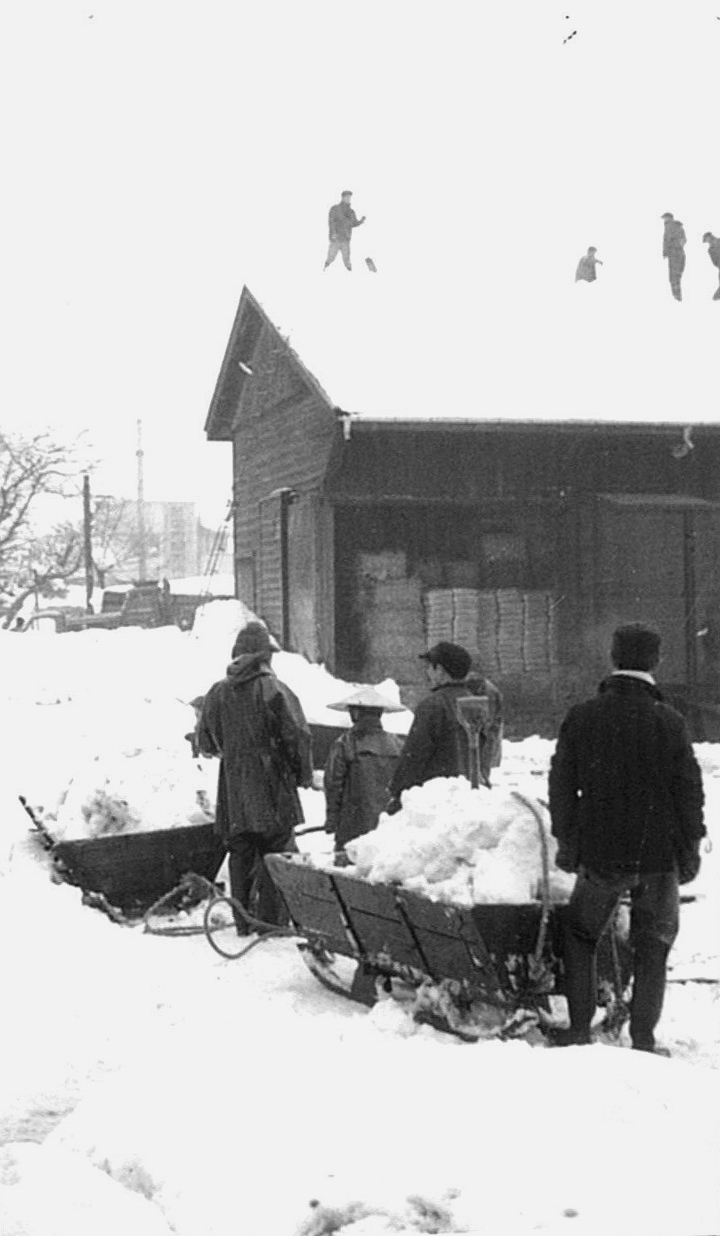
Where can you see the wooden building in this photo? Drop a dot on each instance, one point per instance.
(363, 539)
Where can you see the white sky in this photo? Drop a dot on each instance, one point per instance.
(160, 154)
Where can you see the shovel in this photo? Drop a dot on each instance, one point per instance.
(474, 713)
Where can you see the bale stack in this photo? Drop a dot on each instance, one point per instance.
(488, 621)
(452, 614)
(517, 633)
(510, 631)
(540, 642)
(392, 618)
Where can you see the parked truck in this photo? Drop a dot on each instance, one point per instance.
(146, 603)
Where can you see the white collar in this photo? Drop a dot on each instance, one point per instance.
(641, 674)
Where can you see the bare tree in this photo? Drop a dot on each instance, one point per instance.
(116, 537)
(30, 468)
(45, 566)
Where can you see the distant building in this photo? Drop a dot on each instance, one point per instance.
(178, 545)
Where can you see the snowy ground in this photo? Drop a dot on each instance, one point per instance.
(150, 1086)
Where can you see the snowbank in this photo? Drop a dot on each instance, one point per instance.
(454, 843)
(106, 751)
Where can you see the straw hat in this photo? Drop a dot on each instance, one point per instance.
(367, 697)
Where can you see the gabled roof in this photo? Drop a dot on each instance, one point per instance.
(237, 366)
(381, 351)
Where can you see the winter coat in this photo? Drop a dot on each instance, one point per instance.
(341, 221)
(674, 238)
(357, 775)
(625, 787)
(586, 269)
(437, 745)
(714, 251)
(257, 727)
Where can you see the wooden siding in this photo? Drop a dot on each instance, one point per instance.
(283, 437)
(472, 463)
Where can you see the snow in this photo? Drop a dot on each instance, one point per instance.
(148, 1085)
(618, 350)
(453, 843)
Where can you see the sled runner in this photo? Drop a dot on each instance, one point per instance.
(473, 970)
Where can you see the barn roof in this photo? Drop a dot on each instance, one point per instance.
(433, 352)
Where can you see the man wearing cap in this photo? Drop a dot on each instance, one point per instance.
(713, 244)
(359, 767)
(341, 221)
(256, 725)
(626, 802)
(674, 240)
(437, 745)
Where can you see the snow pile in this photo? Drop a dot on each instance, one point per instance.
(316, 688)
(453, 843)
(116, 709)
(136, 791)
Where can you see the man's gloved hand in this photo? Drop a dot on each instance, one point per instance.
(688, 861)
(393, 806)
(565, 862)
(568, 851)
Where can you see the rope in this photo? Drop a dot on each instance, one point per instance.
(190, 883)
(266, 931)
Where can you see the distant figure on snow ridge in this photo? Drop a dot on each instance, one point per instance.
(586, 266)
(674, 240)
(713, 244)
(341, 221)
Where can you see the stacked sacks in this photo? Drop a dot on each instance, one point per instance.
(452, 843)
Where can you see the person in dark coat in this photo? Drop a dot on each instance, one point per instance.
(437, 745)
(586, 266)
(713, 244)
(341, 221)
(359, 767)
(626, 802)
(256, 725)
(674, 240)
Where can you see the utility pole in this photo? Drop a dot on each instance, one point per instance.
(142, 560)
(87, 544)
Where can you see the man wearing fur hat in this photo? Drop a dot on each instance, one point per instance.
(359, 767)
(256, 725)
(437, 745)
(626, 802)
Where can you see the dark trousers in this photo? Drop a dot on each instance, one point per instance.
(247, 871)
(676, 266)
(654, 921)
(343, 248)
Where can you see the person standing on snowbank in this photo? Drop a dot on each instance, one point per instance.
(586, 266)
(437, 745)
(674, 240)
(341, 221)
(257, 726)
(359, 767)
(713, 244)
(626, 803)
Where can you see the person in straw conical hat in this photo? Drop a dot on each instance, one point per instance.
(360, 766)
